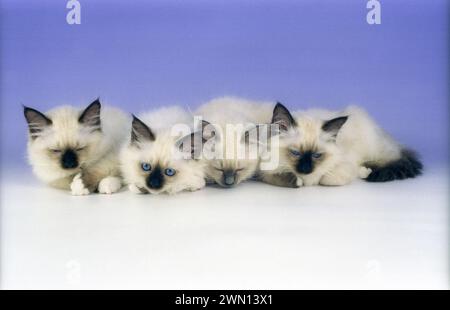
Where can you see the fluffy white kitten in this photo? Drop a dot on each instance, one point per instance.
(155, 161)
(229, 168)
(333, 148)
(77, 150)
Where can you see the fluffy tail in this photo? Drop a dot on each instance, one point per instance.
(407, 166)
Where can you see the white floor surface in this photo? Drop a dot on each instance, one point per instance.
(256, 236)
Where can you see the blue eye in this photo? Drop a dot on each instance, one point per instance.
(146, 167)
(295, 153)
(170, 172)
(316, 155)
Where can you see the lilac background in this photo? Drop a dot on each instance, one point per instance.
(142, 54)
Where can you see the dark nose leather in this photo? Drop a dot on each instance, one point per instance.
(155, 183)
(155, 180)
(229, 178)
(305, 164)
(69, 159)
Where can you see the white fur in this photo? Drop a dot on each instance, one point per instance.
(77, 186)
(109, 185)
(360, 141)
(364, 172)
(98, 159)
(162, 152)
(234, 111)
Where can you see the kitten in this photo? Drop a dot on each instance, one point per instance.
(155, 160)
(334, 148)
(228, 121)
(77, 150)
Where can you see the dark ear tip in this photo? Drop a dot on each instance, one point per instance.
(344, 119)
(97, 102)
(280, 106)
(205, 124)
(27, 110)
(135, 119)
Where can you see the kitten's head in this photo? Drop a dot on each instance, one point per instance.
(63, 140)
(231, 161)
(307, 144)
(157, 163)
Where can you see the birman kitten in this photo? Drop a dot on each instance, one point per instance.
(227, 122)
(334, 148)
(75, 149)
(160, 154)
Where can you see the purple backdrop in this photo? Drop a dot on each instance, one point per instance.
(142, 54)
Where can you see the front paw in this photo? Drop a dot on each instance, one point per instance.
(137, 190)
(194, 188)
(109, 185)
(77, 186)
(197, 186)
(289, 179)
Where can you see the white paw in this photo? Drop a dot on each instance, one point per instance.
(109, 185)
(194, 188)
(299, 182)
(364, 172)
(77, 186)
(198, 186)
(134, 189)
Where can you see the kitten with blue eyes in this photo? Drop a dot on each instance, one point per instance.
(156, 160)
(76, 149)
(334, 148)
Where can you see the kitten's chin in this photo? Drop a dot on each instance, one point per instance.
(224, 185)
(155, 192)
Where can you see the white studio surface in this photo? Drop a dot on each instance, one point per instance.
(255, 236)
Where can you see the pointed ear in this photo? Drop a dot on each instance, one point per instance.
(91, 115)
(283, 117)
(140, 132)
(36, 120)
(334, 125)
(192, 144)
(208, 130)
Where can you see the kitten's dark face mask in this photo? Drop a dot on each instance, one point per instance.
(155, 180)
(69, 159)
(65, 152)
(307, 161)
(227, 177)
